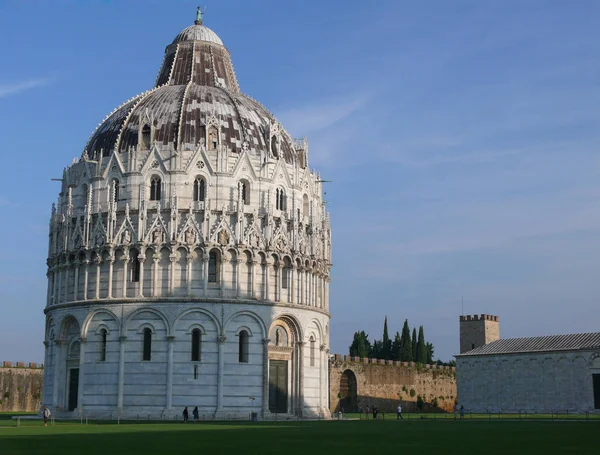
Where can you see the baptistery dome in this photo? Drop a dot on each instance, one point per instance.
(189, 256)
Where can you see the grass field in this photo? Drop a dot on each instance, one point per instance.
(347, 437)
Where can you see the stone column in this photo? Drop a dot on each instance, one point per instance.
(292, 283)
(238, 276)
(81, 375)
(301, 285)
(121, 385)
(57, 375)
(253, 265)
(98, 262)
(111, 262)
(321, 374)
(265, 378)
(59, 287)
(172, 259)
(141, 260)
(220, 344)
(76, 280)
(301, 377)
(205, 274)
(170, 340)
(278, 268)
(188, 274)
(266, 295)
(49, 289)
(155, 259)
(85, 278)
(67, 269)
(125, 260)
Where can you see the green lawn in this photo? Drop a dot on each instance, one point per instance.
(336, 437)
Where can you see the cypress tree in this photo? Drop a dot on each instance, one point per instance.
(360, 345)
(396, 347)
(421, 349)
(386, 343)
(406, 345)
(414, 344)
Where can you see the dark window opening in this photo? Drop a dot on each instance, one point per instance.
(312, 352)
(596, 384)
(155, 188)
(147, 344)
(243, 347)
(284, 277)
(245, 190)
(115, 190)
(135, 267)
(103, 342)
(199, 189)
(279, 199)
(213, 267)
(473, 346)
(196, 340)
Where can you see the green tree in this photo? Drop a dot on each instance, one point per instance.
(360, 345)
(429, 350)
(376, 350)
(414, 344)
(421, 349)
(397, 347)
(386, 343)
(406, 345)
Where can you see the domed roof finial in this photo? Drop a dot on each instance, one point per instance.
(198, 20)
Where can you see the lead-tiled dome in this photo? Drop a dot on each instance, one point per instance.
(196, 84)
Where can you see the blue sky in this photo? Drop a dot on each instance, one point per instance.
(461, 137)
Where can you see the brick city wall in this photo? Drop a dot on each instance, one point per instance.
(20, 386)
(385, 383)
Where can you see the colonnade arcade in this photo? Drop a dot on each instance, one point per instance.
(211, 272)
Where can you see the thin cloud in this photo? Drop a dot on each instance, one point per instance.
(9, 89)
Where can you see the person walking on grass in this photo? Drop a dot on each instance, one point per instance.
(47, 415)
(462, 412)
(367, 413)
(195, 414)
(186, 415)
(399, 412)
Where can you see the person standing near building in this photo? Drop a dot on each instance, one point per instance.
(195, 414)
(399, 412)
(186, 415)
(47, 415)
(462, 412)
(367, 413)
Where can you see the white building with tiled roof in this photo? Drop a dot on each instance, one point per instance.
(535, 374)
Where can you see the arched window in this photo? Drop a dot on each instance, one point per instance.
(147, 344)
(146, 137)
(135, 265)
(305, 205)
(115, 190)
(199, 189)
(214, 261)
(280, 199)
(312, 351)
(213, 138)
(245, 190)
(155, 188)
(103, 342)
(243, 347)
(196, 345)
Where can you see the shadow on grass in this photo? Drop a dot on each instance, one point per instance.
(346, 437)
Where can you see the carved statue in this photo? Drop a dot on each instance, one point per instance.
(223, 237)
(99, 239)
(126, 237)
(157, 236)
(245, 146)
(190, 236)
(277, 337)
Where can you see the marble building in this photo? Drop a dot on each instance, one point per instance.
(189, 256)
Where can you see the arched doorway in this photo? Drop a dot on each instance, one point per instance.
(348, 392)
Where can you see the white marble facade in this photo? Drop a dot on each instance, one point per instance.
(528, 382)
(189, 252)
